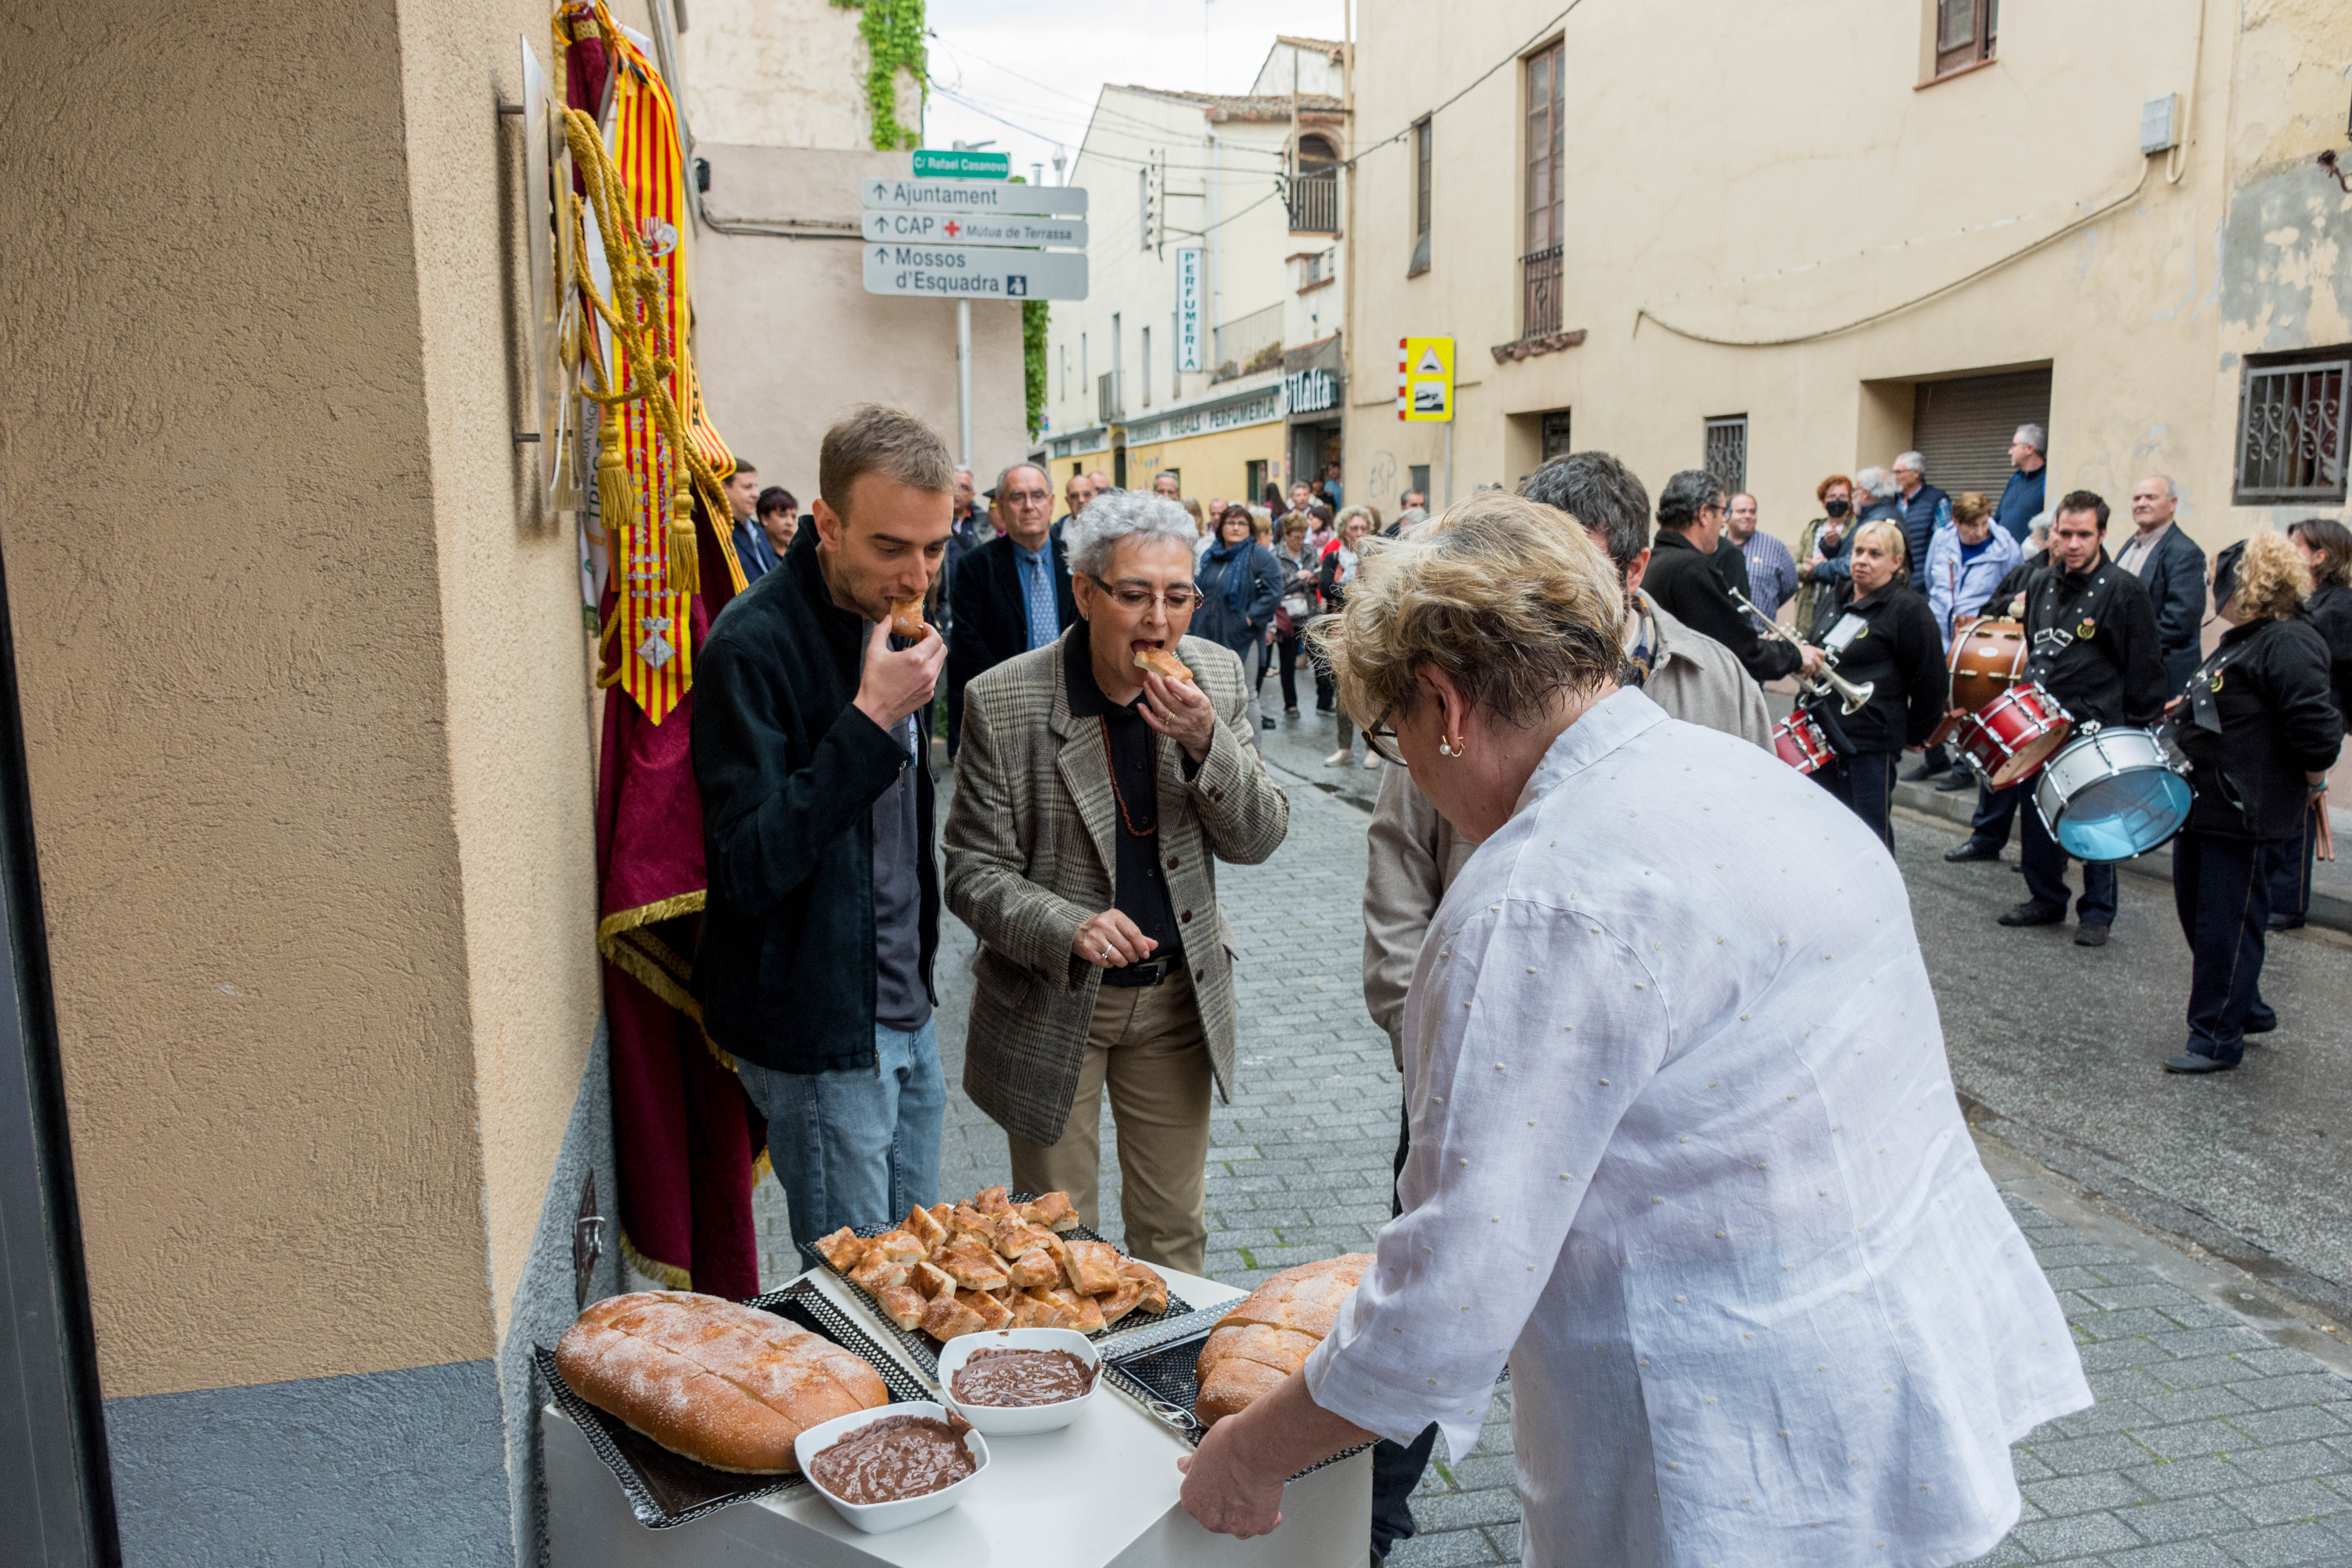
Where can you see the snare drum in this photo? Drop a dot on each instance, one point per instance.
(2112, 794)
(1799, 741)
(2013, 735)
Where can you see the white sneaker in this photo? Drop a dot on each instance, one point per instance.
(1338, 759)
(1371, 761)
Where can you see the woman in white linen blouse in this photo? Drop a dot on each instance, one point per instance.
(1686, 1152)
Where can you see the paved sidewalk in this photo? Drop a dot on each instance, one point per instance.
(2212, 1443)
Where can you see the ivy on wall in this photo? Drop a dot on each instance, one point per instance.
(893, 31)
(1033, 359)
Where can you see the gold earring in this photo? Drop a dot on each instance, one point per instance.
(1452, 745)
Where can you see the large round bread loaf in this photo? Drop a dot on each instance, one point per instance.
(728, 1386)
(1270, 1334)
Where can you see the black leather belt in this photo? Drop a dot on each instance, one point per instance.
(1152, 971)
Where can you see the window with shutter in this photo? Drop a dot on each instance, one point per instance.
(1965, 30)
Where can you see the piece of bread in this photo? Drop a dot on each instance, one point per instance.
(1015, 1236)
(972, 1266)
(924, 1228)
(902, 1304)
(967, 1221)
(1086, 1312)
(845, 1249)
(907, 620)
(946, 1318)
(1035, 1267)
(878, 1273)
(725, 1385)
(899, 1247)
(1155, 1288)
(1051, 1210)
(930, 1280)
(1118, 1303)
(1270, 1332)
(993, 1200)
(992, 1313)
(1160, 661)
(1094, 1267)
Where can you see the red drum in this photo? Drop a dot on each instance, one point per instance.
(1799, 741)
(2009, 738)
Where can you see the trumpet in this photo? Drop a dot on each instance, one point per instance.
(1854, 696)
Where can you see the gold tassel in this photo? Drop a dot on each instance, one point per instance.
(616, 493)
(685, 554)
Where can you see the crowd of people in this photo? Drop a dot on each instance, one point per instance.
(1563, 984)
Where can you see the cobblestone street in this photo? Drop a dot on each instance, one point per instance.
(2215, 1441)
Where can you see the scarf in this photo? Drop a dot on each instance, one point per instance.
(1235, 560)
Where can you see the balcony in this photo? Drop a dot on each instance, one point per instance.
(1247, 344)
(1315, 202)
(1109, 407)
(1540, 293)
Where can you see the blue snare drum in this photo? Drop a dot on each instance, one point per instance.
(2112, 794)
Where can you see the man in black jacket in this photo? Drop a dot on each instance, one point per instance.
(1012, 593)
(2091, 638)
(2171, 567)
(814, 967)
(1683, 580)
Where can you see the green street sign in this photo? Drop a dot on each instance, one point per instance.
(933, 164)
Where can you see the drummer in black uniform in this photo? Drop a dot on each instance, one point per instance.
(1886, 638)
(2259, 724)
(2092, 635)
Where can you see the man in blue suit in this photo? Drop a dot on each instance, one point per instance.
(752, 548)
(2171, 567)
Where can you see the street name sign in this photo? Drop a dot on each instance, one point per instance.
(958, 163)
(1425, 380)
(989, 196)
(969, 228)
(975, 272)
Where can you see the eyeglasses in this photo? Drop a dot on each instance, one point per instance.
(1382, 739)
(1137, 600)
(1041, 498)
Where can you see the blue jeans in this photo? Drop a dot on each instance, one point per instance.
(860, 1146)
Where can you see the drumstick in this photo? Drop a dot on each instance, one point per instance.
(2325, 847)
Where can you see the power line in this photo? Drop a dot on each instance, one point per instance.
(1533, 40)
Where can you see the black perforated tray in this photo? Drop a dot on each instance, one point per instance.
(926, 1350)
(1160, 1379)
(665, 1488)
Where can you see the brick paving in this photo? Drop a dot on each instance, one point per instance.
(2211, 1442)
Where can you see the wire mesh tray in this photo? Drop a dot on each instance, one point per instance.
(1160, 1377)
(926, 1350)
(666, 1490)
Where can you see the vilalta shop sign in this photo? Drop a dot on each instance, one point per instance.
(1311, 391)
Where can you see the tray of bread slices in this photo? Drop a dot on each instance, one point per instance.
(1215, 1364)
(695, 1403)
(1004, 1260)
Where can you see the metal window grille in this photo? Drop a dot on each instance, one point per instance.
(1315, 202)
(1539, 311)
(2292, 425)
(1727, 452)
(1555, 434)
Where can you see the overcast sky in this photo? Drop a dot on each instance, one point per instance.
(1040, 64)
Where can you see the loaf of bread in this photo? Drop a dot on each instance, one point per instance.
(1270, 1334)
(728, 1387)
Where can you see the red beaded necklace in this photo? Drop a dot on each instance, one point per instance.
(1152, 751)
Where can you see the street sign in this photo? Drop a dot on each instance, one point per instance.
(965, 228)
(934, 163)
(1188, 308)
(979, 196)
(1425, 380)
(975, 272)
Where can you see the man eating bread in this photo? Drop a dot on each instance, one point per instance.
(815, 966)
(1094, 796)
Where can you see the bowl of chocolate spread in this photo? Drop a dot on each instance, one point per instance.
(1012, 1383)
(894, 1466)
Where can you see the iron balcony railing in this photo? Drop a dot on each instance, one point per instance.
(1315, 202)
(1540, 293)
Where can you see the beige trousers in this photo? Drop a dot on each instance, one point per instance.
(1147, 1044)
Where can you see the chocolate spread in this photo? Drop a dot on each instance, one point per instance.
(895, 1457)
(1011, 1377)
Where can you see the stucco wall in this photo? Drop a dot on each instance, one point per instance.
(780, 73)
(1742, 226)
(789, 340)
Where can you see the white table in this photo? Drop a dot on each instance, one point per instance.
(1100, 1493)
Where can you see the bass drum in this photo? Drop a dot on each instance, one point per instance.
(2112, 794)
(1987, 658)
(1797, 740)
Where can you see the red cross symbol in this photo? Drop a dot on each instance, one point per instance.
(952, 229)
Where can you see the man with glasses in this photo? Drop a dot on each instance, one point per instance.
(1683, 580)
(1093, 800)
(1012, 593)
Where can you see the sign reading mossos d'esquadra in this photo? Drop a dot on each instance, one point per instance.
(971, 196)
(975, 272)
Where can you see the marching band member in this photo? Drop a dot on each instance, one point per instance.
(2093, 637)
(2327, 546)
(1886, 636)
(1736, 1332)
(2259, 723)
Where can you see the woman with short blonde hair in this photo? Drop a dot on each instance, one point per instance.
(2260, 727)
(1631, 1044)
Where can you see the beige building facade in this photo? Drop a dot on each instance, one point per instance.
(1209, 342)
(1858, 228)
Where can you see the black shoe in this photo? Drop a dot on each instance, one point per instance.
(2286, 922)
(2034, 915)
(1265, 723)
(1926, 770)
(2192, 1061)
(1956, 780)
(1972, 850)
(2264, 1023)
(2090, 936)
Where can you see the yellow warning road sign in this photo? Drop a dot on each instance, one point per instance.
(1425, 379)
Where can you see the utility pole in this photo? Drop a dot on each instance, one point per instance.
(963, 355)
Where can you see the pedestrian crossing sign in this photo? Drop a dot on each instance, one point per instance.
(1425, 379)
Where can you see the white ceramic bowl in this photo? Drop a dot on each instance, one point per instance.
(881, 1517)
(1019, 1420)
